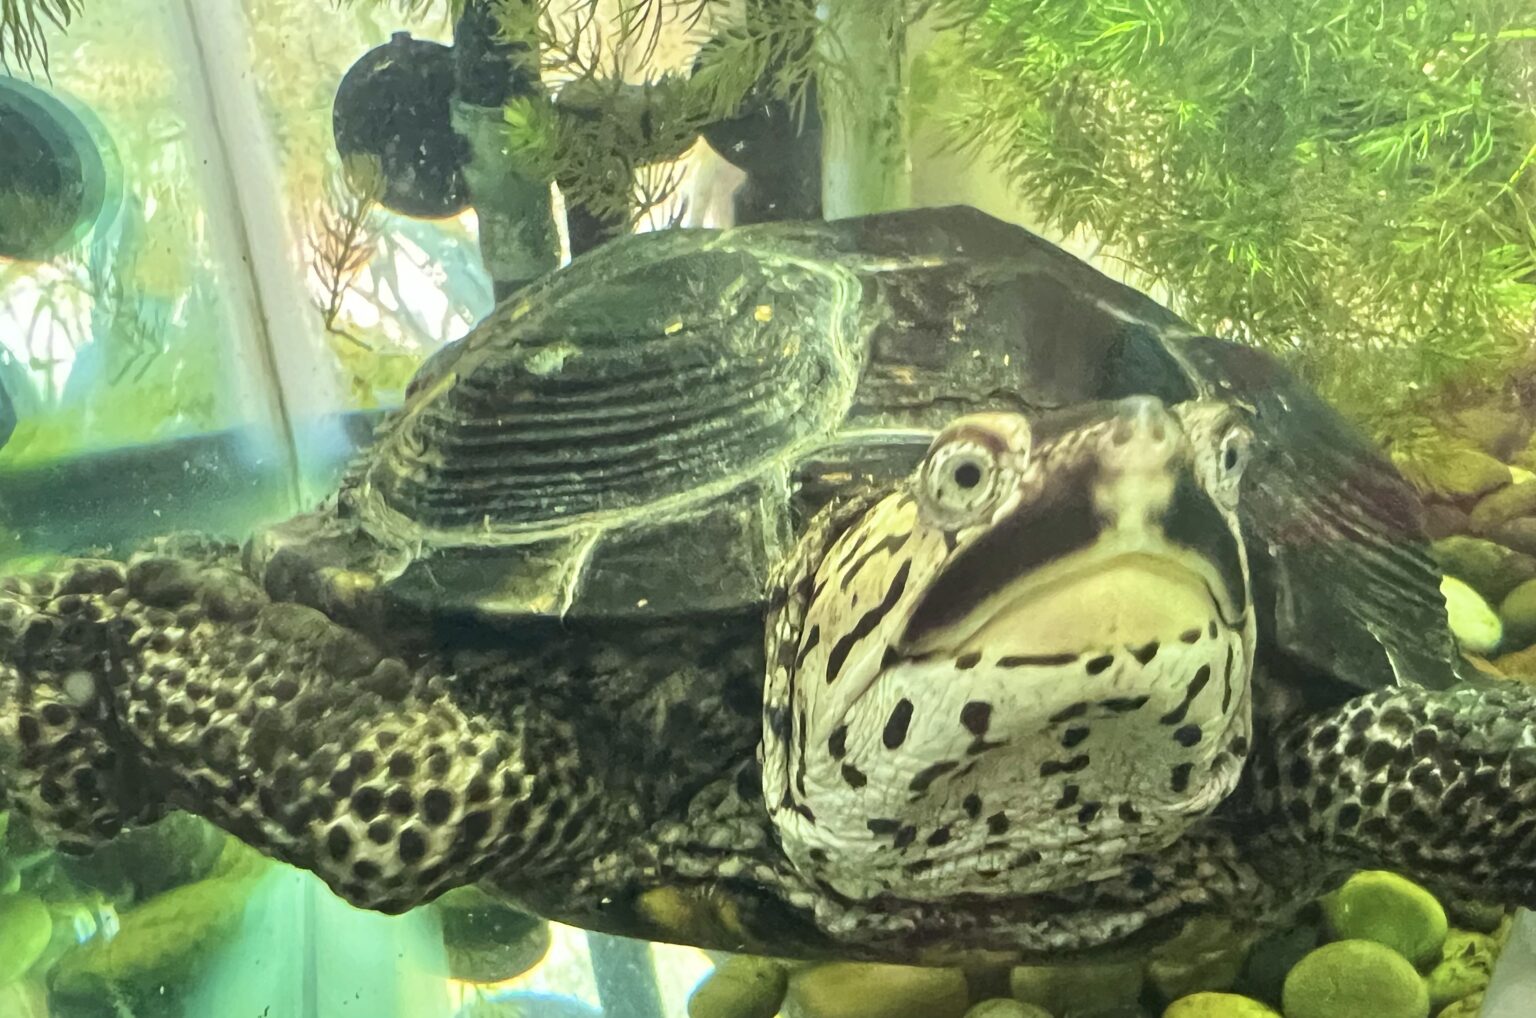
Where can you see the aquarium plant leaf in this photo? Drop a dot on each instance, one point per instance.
(343, 235)
(23, 31)
(1347, 184)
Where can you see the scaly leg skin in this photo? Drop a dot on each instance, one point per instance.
(1437, 785)
(128, 691)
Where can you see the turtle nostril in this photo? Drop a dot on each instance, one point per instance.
(1141, 415)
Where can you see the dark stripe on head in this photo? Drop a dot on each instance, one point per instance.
(868, 621)
(1226, 678)
(895, 732)
(925, 777)
(811, 640)
(1072, 766)
(1194, 522)
(1062, 522)
(1076, 710)
(891, 545)
(1202, 676)
(837, 742)
(1053, 425)
(976, 716)
(1035, 660)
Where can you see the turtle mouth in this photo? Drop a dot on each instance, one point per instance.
(1095, 600)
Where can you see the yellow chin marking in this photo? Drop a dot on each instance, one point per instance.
(1128, 601)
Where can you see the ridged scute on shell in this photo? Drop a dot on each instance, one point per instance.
(624, 381)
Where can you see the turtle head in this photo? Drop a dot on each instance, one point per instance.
(1113, 525)
(1028, 660)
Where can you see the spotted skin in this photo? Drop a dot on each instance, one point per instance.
(1438, 784)
(1033, 733)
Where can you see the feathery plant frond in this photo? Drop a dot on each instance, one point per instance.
(605, 134)
(136, 328)
(23, 27)
(753, 51)
(1348, 184)
(343, 234)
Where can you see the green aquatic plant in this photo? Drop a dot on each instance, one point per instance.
(609, 138)
(414, 8)
(1348, 184)
(343, 235)
(607, 141)
(23, 24)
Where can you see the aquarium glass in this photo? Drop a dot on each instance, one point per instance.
(241, 240)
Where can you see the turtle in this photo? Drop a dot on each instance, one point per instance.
(897, 588)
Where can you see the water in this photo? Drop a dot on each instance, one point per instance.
(234, 237)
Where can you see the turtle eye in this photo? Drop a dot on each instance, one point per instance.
(962, 478)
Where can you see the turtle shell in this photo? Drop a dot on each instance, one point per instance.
(643, 433)
(618, 440)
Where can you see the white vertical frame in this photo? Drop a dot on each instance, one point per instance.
(249, 223)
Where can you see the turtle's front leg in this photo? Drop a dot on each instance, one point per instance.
(1439, 785)
(127, 691)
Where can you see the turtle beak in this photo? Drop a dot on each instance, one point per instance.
(1132, 496)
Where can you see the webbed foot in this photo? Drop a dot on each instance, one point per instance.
(1439, 785)
(129, 690)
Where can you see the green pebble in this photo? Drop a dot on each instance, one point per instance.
(864, 990)
(741, 987)
(1384, 907)
(1452, 469)
(1465, 969)
(26, 926)
(162, 939)
(1218, 1005)
(1002, 1007)
(1351, 978)
(1068, 990)
(1518, 613)
(1476, 625)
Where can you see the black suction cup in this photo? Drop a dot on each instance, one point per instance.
(58, 173)
(394, 105)
(778, 145)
